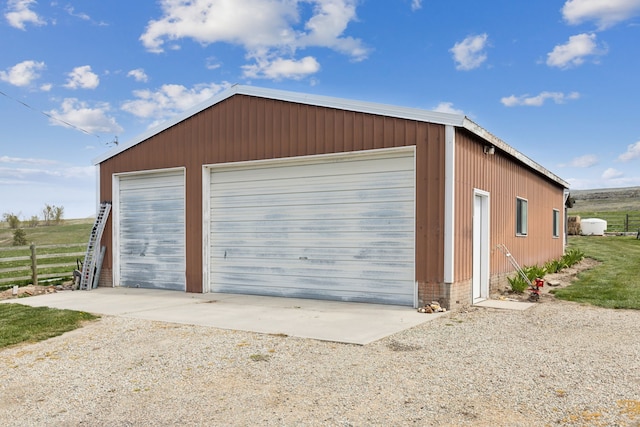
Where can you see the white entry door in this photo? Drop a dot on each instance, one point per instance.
(339, 228)
(480, 281)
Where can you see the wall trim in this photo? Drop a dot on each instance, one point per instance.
(115, 216)
(449, 203)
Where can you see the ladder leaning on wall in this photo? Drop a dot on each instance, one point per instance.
(93, 257)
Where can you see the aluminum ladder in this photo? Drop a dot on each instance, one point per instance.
(91, 256)
(515, 264)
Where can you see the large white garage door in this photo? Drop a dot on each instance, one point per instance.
(340, 229)
(151, 231)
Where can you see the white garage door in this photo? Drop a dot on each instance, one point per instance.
(151, 231)
(340, 229)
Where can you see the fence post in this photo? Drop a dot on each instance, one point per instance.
(626, 224)
(34, 265)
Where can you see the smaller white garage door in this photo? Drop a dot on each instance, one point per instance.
(152, 230)
(340, 229)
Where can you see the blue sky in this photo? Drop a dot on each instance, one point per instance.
(556, 80)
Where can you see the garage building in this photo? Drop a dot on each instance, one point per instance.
(268, 192)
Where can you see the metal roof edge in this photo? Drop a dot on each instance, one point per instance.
(301, 98)
(503, 146)
(356, 106)
(457, 120)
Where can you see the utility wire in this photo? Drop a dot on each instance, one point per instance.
(64, 122)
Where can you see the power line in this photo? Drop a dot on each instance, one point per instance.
(64, 122)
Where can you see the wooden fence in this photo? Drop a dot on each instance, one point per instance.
(55, 263)
(627, 223)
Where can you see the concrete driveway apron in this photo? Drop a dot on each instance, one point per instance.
(345, 322)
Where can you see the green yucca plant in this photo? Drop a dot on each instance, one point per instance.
(573, 256)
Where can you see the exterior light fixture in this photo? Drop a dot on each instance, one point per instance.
(489, 149)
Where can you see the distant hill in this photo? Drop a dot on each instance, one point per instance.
(606, 200)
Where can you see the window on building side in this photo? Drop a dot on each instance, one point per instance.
(556, 223)
(521, 217)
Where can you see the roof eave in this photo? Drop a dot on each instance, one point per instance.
(456, 120)
(503, 146)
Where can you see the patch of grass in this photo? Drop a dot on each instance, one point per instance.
(260, 357)
(24, 324)
(70, 231)
(613, 284)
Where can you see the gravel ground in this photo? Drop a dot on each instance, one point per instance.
(558, 363)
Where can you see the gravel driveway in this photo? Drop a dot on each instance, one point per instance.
(558, 363)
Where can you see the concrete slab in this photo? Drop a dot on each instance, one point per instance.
(353, 323)
(505, 305)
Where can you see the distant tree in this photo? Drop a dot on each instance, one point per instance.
(34, 221)
(52, 214)
(19, 237)
(58, 213)
(47, 214)
(12, 219)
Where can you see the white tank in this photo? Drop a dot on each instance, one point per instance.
(593, 227)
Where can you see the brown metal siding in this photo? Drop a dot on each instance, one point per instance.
(505, 180)
(244, 128)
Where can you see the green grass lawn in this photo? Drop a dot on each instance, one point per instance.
(613, 284)
(20, 323)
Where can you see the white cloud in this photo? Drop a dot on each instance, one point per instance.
(470, 52)
(81, 15)
(83, 78)
(574, 52)
(326, 26)
(80, 115)
(538, 100)
(633, 152)
(612, 173)
(605, 13)
(138, 74)
(447, 107)
(46, 87)
(270, 31)
(212, 63)
(585, 161)
(26, 160)
(169, 100)
(416, 4)
(19, 13)
(22, 74)
(282, 68)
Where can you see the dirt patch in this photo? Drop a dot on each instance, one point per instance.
(553, 281)
(31, 290)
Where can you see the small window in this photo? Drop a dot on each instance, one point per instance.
(556, 223)
(521, 217)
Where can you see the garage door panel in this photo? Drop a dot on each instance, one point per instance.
(309, 198)
(283, 237)
(315, 288)
(339, 270)
(302, 226)
(152, 231)
(360, 184)
(152, 279)
(335, 230)
(336, 211)
(259, 253)
(336, 168)
(169, 251)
